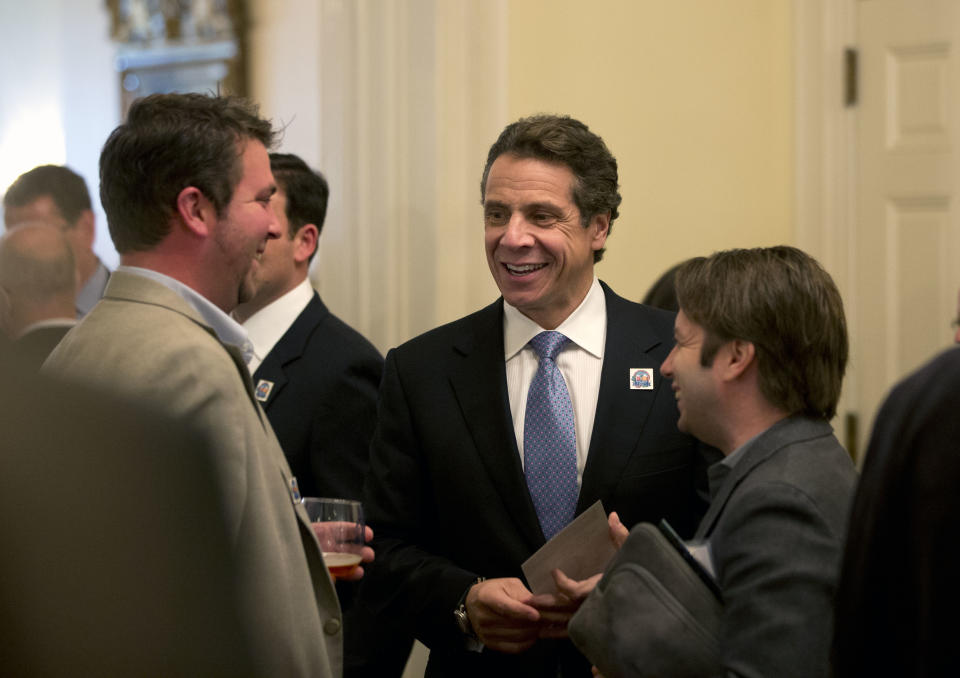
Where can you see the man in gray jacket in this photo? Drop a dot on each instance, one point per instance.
(761, 347)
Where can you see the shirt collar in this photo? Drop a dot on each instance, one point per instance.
(586, 326)
(718, 472)
(92, 290)
(266, 326)
(228, 330)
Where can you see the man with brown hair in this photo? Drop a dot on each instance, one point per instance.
(187, 187)
(58, 196)
(757, 369)
(761, 347)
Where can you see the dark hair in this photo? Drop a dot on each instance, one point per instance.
(306, 190)
(170, 142)
(564, 141)
(65, 187)
(781, 300)
(663, 292)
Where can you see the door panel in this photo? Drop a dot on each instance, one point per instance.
(907, 256)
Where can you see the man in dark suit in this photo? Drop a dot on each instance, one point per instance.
(37, 278)
(461, 485)
(899, 593)
(317, 380)
(57, 195)
(315, 376)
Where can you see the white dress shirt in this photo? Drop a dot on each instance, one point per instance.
(270, 323)
(580, 362)
(228, 330)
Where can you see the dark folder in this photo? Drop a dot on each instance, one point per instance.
(655, 612)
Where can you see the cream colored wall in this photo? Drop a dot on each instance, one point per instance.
(694, 97)
(695, 100)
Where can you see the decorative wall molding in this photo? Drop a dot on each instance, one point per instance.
(412, 94)
(825, 180)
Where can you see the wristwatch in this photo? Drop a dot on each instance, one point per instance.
(460, 614)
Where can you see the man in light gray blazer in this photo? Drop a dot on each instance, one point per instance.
(186, 185)
(761, 348)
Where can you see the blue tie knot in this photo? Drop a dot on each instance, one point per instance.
(548, 344)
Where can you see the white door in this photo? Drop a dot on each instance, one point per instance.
(907, 231)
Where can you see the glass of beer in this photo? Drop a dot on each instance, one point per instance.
(339, 526)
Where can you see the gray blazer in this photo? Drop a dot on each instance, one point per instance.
(146, 343)
(776, 527)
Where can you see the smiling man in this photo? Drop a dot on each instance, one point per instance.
(497, 429)
(757, 368)
(187, 187)
(316, 378)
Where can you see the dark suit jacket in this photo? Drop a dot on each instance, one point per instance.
(323, 404)
(776, 527)
(446, 493)
(899, 593)
(33, 347)
(323, 408)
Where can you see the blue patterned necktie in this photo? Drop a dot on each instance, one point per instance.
(549, 439)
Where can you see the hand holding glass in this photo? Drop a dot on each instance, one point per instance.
(340, 529)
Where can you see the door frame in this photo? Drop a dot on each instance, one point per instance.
(825, 165)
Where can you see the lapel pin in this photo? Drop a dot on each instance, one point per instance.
(263, 390)
(641, 379)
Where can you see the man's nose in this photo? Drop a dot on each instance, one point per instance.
(517, 233)
(273, 229)
(666, 367)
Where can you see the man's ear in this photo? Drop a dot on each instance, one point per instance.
(196, 211)
(305, 242)
(84, 226)
(599, 229)
(738, 356)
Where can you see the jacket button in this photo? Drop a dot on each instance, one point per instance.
(331, 627)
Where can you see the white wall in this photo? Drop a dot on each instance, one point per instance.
(59, 95)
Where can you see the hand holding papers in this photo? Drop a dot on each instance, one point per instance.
(580, 550)
(508, 617)
(564, 571)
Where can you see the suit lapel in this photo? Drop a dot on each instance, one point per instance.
(288, 349)
(783, 433)
(621, 412)
(247, 382)
(143, 290)
(480, 385)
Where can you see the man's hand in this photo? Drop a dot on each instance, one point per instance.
(501, 616)
(618, 531)
(557, 608)
(366, 553)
